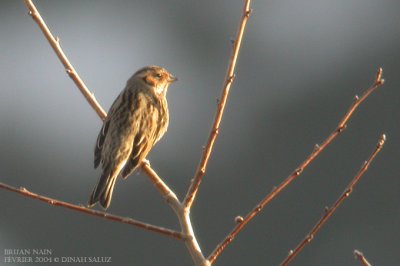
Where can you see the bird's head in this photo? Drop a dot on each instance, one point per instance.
(156, 77)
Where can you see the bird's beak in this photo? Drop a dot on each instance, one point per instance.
(172, 78)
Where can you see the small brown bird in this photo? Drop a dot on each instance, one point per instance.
(137, 119)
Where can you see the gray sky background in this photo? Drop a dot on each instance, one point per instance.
(300, 66)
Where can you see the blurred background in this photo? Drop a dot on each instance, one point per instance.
(299, 68)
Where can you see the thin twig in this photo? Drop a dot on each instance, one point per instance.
(318, 149)
(55, 44)
(164, 190)
(360, 257)
(201, 170)
(107, 216)
(330, 211)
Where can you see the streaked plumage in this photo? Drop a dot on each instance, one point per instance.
(137, 119)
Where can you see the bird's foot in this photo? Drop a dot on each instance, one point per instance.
(145, 161)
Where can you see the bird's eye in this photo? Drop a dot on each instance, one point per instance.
(158, 75)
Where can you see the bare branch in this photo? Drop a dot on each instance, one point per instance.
(318, 149)
(164, 190)
(360, 257)
(183, 215)
(107, 216)
(182, 210)
(201, 170)
(191, 243)
(55, 44)
(329, 211)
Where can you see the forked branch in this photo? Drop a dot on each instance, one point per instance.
(329, 211)
(318, 149)
(182, 210)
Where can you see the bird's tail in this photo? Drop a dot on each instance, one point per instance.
(102, 193)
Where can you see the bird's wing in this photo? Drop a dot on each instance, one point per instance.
(135, 159)
(143, 142)
(99, 143)
(104, 129)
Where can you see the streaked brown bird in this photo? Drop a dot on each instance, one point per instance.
(137, 119)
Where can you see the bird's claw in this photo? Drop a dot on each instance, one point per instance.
(147, 162)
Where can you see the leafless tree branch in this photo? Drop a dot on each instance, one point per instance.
(330, 211)
(55, 44)
(183, 215)
(230, 76)
(182, 210)
(318, 149)
(107, 216)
